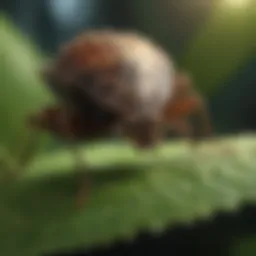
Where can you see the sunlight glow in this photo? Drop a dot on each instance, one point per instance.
(237, 3)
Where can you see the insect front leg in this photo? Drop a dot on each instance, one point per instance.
(80, 164)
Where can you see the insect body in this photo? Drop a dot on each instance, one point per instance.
(108, 80)
(122, 73)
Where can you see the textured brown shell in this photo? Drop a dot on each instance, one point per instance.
(122, 72)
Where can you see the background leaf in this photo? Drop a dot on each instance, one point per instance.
(21, 92)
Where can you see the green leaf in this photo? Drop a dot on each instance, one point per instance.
(21, 92)
(130, 193)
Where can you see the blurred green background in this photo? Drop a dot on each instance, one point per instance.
(213, 39)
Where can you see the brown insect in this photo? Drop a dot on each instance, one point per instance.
(70, 125)
(107, 79)
(187, 112)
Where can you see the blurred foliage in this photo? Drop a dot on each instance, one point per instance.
(233, 105)
(222, 46)
(22, 92)
(38, 212)
(244, 247)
